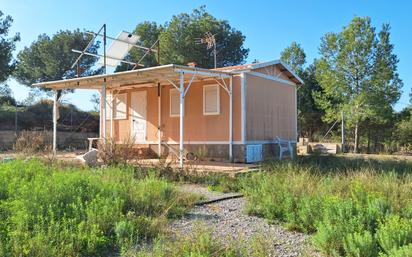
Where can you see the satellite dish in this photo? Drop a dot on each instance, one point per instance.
(119, 48)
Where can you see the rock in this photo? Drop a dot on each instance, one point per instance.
(90, 158)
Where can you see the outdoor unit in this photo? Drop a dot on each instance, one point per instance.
(254, 153)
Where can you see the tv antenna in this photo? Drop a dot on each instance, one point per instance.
(210, 40)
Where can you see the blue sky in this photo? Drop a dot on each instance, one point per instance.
(269, 26)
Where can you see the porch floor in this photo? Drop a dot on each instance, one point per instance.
(195, 166)
(206, 166)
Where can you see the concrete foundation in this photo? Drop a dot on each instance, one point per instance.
(219, 152)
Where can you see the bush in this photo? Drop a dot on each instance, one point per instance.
(114, 153)
(49, 211)
(404, 251)
(346, 204)
(394, 233)
(360, 244)
(31, 142)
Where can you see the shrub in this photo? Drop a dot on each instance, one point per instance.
(115, 153)
(404, 251)
(31, 142)
(47, 211)
(345, 203)
(360, 244)
(394, 233)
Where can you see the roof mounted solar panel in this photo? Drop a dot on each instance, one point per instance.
(119, 48)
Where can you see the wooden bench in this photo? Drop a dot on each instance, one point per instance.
(284, 147)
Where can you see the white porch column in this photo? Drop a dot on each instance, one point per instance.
(159, 120)
(55, 123)
(111, 114)
(103, 102)
(230, 119)
(182, 113)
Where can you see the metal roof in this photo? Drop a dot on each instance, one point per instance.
(135, 78)
(253, 66)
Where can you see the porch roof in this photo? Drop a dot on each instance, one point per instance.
(135, 78)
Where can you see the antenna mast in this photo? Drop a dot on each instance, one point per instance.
(210, 41)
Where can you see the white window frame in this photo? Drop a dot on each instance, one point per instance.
(217, 101)
(174, 90)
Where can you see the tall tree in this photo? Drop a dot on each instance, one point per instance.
(7, 46)
(309, 115)
(350, 73)
(148, 33)
(177, 40)
(50, 58)
(294, 56)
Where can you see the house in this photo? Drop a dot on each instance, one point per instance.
(224, 113)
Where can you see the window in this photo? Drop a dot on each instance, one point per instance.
(211, 100)
(174, 102)
(119, 106)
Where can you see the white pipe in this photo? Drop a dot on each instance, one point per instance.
(231, 120)
(111, 114)
(55, 123)
(182, 113)
(104, 111)
(243, 106)
(159, 121)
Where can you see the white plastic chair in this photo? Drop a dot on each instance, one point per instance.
(284, 146)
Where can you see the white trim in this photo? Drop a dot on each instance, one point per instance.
(231, 119)
(205, 72)
(170, 102)
(266, 76)
(181, 118)
(217, 87)
(159, 119)
(270, 63)
(104, 114)
(55, 107)
(296, 114)
(255, 66)
(252, 142)
(243, 105)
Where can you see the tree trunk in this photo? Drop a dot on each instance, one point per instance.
(369, 139)
(356, 147)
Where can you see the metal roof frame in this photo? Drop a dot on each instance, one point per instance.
(143, 77)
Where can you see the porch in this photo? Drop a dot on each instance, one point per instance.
(158, 81)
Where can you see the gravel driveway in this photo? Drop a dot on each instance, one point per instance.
(228, 220)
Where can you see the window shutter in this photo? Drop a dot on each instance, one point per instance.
(211, 100)
(174, 103)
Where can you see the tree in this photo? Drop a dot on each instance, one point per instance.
(403, 131)
(309, 115)
(294, 56)
(177, 41)
(357, 73)
(148, 33)
(6, 97)
(95, 100)
(50, 58)
(7, 46)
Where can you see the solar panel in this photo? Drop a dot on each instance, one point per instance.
(119, 48)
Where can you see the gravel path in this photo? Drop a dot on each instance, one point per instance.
(229, 221)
